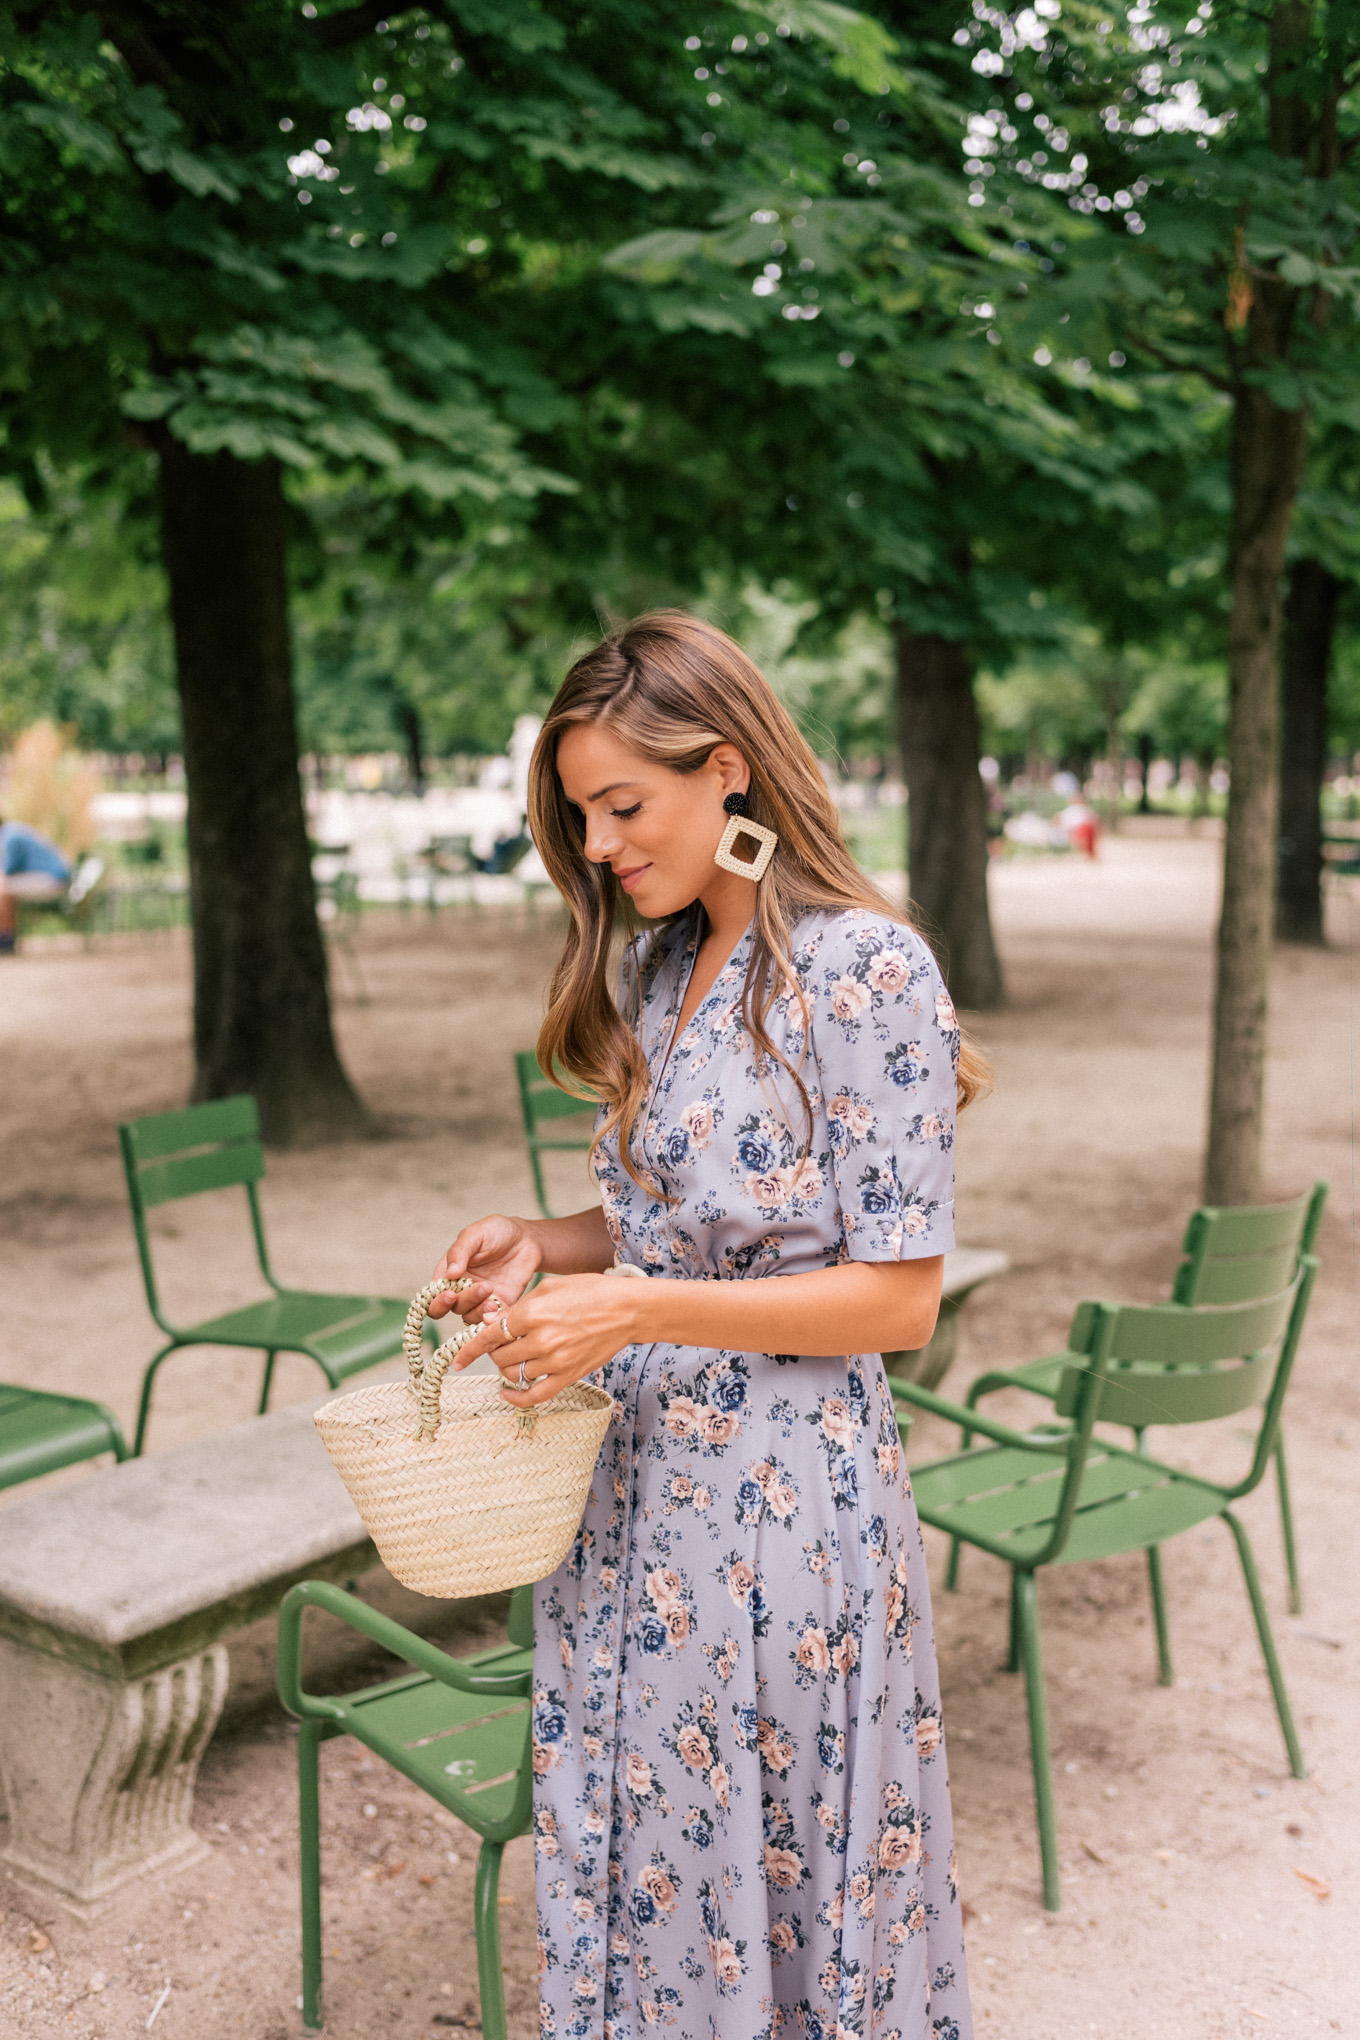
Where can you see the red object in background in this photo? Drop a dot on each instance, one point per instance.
(1083, 827)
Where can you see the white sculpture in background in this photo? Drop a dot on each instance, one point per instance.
(531, 869)
(522, 742)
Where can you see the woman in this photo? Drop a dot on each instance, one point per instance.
(742, 1811)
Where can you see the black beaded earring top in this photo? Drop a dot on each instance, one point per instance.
(736, 804)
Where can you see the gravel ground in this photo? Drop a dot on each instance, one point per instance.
(1195, 1869)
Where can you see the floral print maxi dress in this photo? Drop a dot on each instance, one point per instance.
(742, 1818)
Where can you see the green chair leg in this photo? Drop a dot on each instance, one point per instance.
(1166, 1674)
(144, 1402)
(1291, 1556)
(1013, 1636)
(951, 1572)
(1027, 1615)
(267, 1382)
(486, 1910)
(1263, 1630)
(309, 1851)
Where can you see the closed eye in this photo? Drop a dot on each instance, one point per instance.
(625, 814)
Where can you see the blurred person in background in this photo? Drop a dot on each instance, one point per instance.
(31, 868)
(1082, 824)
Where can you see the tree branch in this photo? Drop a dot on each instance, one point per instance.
(1165, 360)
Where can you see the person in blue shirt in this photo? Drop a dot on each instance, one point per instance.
(31, 868)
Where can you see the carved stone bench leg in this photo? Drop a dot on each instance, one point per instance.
(98, 1769)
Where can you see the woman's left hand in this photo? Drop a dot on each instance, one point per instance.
(567, 1328)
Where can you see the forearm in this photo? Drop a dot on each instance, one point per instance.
(576, 1245)
(859, 1307)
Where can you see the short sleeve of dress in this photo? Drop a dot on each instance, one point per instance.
(885, 1041)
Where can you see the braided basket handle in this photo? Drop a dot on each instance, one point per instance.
(427, 1374)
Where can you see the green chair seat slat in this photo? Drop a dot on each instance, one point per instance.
(1125, 1503)
(1142, 1396)
(214, 1168)
(1238, 1278)
(944, 1483)
(344, 1329)
(1140, 1517)
(40, 1433)
(197, 1126)
(1013, 1489)
(422, 1728)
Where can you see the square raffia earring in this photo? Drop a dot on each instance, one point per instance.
(740, 824)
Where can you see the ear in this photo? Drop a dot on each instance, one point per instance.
(730, 770)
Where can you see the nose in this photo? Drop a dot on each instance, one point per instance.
(602, 841)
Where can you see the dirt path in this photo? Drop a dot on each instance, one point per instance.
(1181, 1832)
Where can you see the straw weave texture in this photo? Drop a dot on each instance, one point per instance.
(486, 1503)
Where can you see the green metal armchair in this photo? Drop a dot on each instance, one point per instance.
(211, 1147)
(1228, 1255)
(1060, 1498)
(435, 1726)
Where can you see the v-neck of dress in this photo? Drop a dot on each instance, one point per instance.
(683, 980)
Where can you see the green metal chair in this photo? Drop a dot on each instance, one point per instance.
(1044, 1498)
(542, 1103)
(1228, 1255)
(41, 1432)
(211, 1147)
(457, 1727)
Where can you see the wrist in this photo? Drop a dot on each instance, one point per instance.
(532, 1229)
(646, 1308)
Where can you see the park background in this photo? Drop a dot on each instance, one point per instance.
(991, 375)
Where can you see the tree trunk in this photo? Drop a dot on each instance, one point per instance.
(261, 1004)
(1267, 460)
(408, 715)
(938, 734)
(1310, 620)
(1266, 464)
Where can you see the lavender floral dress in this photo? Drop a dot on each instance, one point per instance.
(742, 1813)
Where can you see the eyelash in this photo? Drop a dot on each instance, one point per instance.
(625, 814)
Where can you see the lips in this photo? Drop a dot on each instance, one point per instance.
(629, 878)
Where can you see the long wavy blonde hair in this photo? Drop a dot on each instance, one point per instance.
(672, 687)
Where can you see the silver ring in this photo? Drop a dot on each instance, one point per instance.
(523, 1381)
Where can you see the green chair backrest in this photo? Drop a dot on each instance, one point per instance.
(1232, 1254)
(1173, 1363)
(170, 1155)
(1162, 1363)
(542, 1100)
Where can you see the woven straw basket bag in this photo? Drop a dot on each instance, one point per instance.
(462, 1493)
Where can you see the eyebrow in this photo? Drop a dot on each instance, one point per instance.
(613, 787)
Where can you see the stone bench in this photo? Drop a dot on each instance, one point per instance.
(117, 1595)
(965, 1269)
(120, 1594)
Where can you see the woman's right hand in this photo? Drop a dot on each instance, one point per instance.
(500, 1255)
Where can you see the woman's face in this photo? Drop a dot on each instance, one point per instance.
(657, 829)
